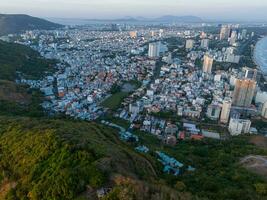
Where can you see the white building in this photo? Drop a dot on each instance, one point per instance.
(233, 38)
(205, 43)
(154, 49)
(231, 58)
(134, 108)
(261, 97)
(264, 110)
(239, 126)
(217, 77)
(225, 32)
(150, 93)
(226, 109)
(244, 34)
(189, 44)
(213, 111)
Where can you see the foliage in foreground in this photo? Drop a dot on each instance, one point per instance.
(43, 166)
(59, 159)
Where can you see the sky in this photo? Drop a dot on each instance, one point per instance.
(244, 10)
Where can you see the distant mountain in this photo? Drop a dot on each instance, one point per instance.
(130, 19)
(186, 19)
(18, 23)
(165, 18)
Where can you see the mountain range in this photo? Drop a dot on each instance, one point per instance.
(165, 18)
(130, 19)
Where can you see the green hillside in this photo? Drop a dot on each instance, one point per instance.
(60, 159)
(19, 58)
(10, 24)
(19, 99)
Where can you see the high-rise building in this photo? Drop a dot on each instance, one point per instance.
(231, 58)
(239, 126)
(226, 109)
(244, 92)
(225, 32)
(154, 49)
(233, 38)
(189, 44)
(213, 111)
(264, 110)
(161, 31)
(244, 34)
(261, 97)
(207, 64)
(205, 43)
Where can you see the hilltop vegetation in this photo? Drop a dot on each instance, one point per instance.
(62, 159)
(59, 159)
(19, 58)
(20, 99)
(10, 24)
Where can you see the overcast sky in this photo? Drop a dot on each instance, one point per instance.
(207, 9)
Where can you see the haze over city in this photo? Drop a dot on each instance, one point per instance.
(103, 9)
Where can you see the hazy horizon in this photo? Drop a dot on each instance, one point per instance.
(109, 9)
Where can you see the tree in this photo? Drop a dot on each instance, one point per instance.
(261, 188)
(180, 186)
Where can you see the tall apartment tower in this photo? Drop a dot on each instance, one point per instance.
(233, 38)
(244, 92)
(154, 49)
(226, 109)
(264, 110)
(207, 64)
(244, 34)
(225, 32)
(205, 43)
(189, 44)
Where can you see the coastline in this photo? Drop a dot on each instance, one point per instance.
(258, 58)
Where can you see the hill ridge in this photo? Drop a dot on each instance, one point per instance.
(17, 23)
